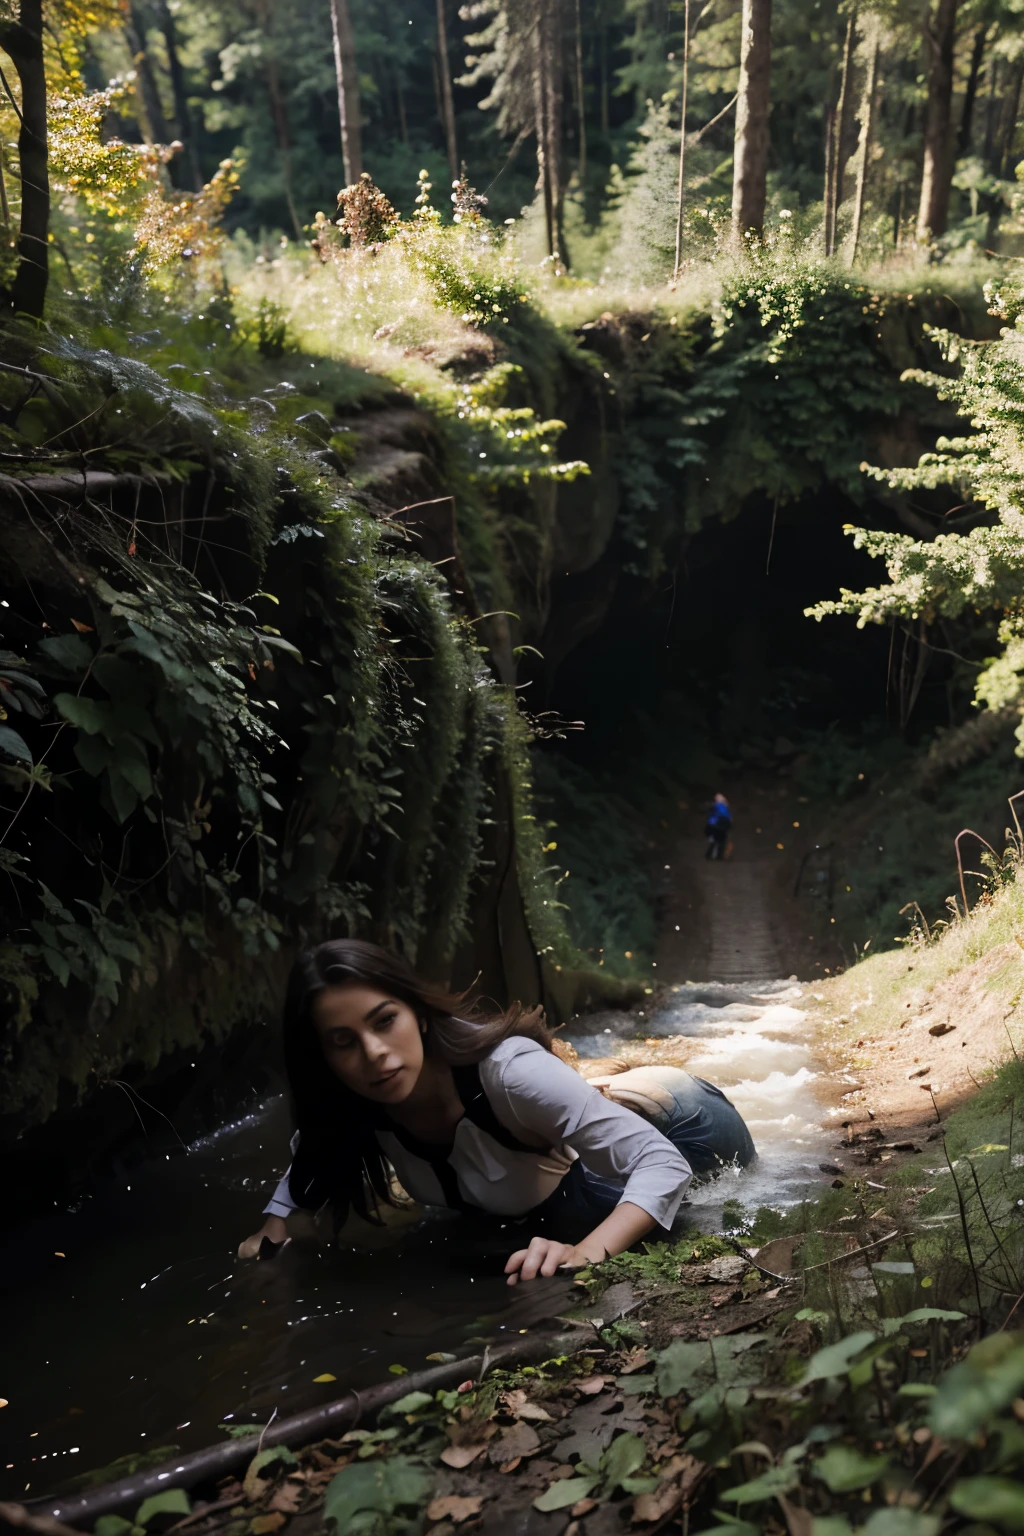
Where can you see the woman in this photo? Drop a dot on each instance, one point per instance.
(478, 1114)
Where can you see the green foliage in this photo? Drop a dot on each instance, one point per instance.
(983, 1386)
(617, 1468)
(962, 572)
(378, 1498)
(247, 761)
(172, 1501)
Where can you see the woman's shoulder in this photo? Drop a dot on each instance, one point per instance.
(513, 1048)
(521, 1067)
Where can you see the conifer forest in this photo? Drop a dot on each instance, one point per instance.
(442, 447)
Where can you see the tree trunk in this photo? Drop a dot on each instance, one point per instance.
(547, 74)
(581, 105)
(447, 102)
(867, 122)
(279, 112)
(937, 166)
(753, 103)
(346, 72)
(963, 138)
(990, 111)
(826, 197)
(1010, 128)
(179, 90)
(135, 29)
(897, 217)
(23, 41)
(682, 137)
(605, 117)
(841, 135)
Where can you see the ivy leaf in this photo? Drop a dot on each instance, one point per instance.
(922, 1315)
(560, 1495)
(123, 796)
(173, 1501)
(412, 1402)
(112, 1525)
(845, 1470)
(623, 1457)
(898, 1522)
(69, 652)
(999, 1499)
(13, 745)
(375, 1487)
(834, 1359)
(769, 1485)
(89, 715)
(980, 1387)
(133, 764)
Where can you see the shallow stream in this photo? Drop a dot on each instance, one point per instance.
(129, 1327)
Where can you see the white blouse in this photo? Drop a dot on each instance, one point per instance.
(532, 1092)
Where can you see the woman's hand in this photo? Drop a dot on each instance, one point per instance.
(543, 1257)
(274, 1227)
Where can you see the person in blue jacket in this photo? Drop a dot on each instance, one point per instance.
(718, 826)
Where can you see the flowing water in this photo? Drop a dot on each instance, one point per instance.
(129, 1327)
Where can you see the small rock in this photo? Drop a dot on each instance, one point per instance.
(830, 1168)
(731, 1267)
(941, 1029)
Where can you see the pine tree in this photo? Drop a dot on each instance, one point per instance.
(753, 104)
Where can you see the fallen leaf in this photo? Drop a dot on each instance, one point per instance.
(590, 1385)
(263, 1524)
(536, 1412)
(582, 1507)
(800, 1521)
(510, 1466)
(656, 1505)
(325, 1377)
(442, 1357)
(83, 629)
(520, 1440)
(453, 1506)
(459, 1456)
(3, 1402)
(287, 1498)
(465, 1386)
(60, 1255)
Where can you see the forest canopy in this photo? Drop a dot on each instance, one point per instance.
(877, 127)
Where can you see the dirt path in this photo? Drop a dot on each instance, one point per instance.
(752, 917)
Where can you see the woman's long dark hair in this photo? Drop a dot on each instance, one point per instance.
(339, 1159)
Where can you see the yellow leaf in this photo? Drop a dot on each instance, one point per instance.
(263, 1524)
(325, 1377)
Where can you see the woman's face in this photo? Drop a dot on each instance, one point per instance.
(370, 1040)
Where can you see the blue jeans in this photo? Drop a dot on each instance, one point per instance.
(694, 1115)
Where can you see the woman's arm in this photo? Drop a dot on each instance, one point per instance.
(275, 1212)
(626, 1225)
(274, 1227)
